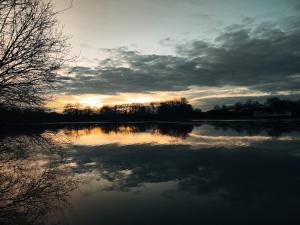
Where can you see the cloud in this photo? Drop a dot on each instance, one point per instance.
(85, 45)
(168, 42)
(262, 57)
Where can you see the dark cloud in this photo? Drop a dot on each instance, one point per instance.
(262, 57)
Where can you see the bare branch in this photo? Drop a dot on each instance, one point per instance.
(32, 49)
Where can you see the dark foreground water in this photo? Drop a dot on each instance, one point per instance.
(151, 174)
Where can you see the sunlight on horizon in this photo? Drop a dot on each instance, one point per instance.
(196, 96)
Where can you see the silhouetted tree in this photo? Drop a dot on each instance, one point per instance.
(72, 109)
(179, 108)
(32, 49)
(272, 107)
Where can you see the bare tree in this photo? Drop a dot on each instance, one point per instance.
(32, 49)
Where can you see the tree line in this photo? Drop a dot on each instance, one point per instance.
(272, 107)
(173, 109)
(177, 109)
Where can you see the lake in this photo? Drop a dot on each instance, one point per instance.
(206, 172)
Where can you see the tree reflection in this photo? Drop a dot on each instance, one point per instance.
(260, 177)
(33, 182)
(171, 129)
(270, 127)
(181, 129)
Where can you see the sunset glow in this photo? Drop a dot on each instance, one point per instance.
(149, 112)
(196, 96)
(190, 49)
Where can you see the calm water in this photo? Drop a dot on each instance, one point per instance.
(151, 174)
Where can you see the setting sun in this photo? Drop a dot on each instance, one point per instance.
(149, 112)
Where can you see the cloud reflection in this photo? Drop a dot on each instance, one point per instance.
(198, 137)
(202, 172)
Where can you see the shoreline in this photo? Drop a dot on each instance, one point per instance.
(148, 121)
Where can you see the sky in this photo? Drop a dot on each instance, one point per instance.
(209, 51)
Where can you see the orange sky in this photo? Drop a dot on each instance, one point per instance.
(195, 96)
(140, 35)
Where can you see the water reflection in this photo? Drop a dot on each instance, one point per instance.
(163, 173)
(229, 134)
(34, 179)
